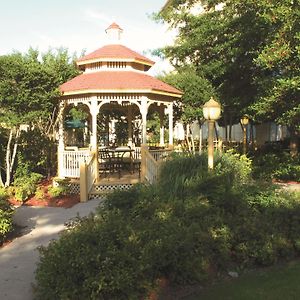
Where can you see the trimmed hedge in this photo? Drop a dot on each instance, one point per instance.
(189, 228)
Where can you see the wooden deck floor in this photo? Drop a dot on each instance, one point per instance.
(125, 178)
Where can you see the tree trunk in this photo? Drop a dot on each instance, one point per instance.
(187, 137)
(294, 141)
(11, 151)
(200, 136)
(1, 181)
(226, 125)
(230, 128)
(192, 140)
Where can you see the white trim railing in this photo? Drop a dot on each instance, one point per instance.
(160, 154)
(151, 167)
(88, 176)
(71, 161)
(91, 174)
(151, 162)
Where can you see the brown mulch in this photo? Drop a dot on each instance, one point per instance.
(66, 201)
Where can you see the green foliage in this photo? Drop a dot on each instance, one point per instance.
(248, 51)
(37, 153)
(209, 222)
(39, 193)
(29, 95)
(6, 212)
(56, 191)
(26, 185)
(230, 170)
(196, 91)
(279, 282)
(276, 164)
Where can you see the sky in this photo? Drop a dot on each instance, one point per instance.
(80, 25)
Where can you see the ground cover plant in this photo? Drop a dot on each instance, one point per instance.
(189, 228)
(274, 162)
(277, 282)
(6, 212)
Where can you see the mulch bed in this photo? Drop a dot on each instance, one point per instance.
(66, 201)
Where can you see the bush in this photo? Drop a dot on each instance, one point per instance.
(57, 191)
(208, 223)
(26, 186)
(5, 215)
(276, 165)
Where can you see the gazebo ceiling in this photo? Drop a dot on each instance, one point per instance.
(114, 52)
(117, 82)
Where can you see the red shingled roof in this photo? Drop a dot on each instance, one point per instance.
(115, 51)
(114, 25)
(116, 80)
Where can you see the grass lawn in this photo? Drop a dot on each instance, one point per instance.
(280, 282)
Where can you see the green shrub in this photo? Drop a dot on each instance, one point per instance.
(208, 223)
(277, 165)
(56, 191)
(26, 186)
(5, 215)
(39, 193)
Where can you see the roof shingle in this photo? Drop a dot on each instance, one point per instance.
(117, 80)
(115, 51)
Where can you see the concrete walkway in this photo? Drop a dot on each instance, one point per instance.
(18, 259)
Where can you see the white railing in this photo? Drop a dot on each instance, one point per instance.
(88, 176)
(160, 154)
(91, 174)
(151, 162)
(71, 161)
(151, 167)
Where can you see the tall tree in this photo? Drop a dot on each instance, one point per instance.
(279, 93)
(196, 91)
(231, 43)
(29, 95)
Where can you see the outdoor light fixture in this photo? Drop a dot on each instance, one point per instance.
(211, 112)
(244, 121)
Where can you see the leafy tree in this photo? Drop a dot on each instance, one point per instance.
(197, 90)
(279, 94)
(29, 96)
(248, 50)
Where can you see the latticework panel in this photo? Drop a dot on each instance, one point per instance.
(112, 187)
(74, 188)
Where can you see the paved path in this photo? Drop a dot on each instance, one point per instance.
(18, 259)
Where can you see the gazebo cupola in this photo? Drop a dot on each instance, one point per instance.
(114, 32)
(114, 56)
(115, 75)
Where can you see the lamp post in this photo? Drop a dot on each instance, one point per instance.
(244, 121)
(211, 112)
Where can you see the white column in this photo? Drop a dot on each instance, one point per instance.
(162, 128)
(144, 111)
(61, 143)
(170, 111)
(94, 143)
(129, 121)
(94, 113)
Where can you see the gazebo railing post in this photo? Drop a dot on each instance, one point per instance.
(170, 111)
(162, 128)
(143, 162)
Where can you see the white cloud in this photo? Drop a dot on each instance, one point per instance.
(92, 15)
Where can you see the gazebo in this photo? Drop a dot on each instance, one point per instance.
(113, 76)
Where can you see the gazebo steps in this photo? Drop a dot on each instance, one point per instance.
(102, 188)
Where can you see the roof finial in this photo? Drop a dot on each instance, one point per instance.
(114, 32)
